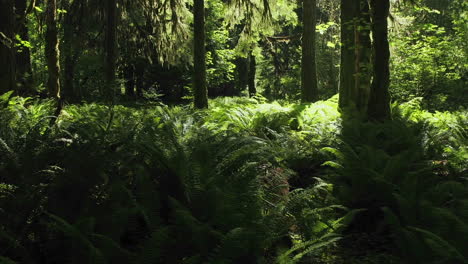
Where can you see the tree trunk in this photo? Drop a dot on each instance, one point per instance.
(129, 76)
(139, 74)
(252, 71)
(7, 50)
(379, 101)
(242, 78)
(52, 50)
(200, 91)
(69, 92)
(309, 70)
(23, 55)
(110, 48)
(355, 70)
(346, 87)
(363, 65)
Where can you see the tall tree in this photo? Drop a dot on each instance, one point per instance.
(110, 47)
(23, 54)
(379, 100)
(355, 70)
(252, 71)
(69, 48)
(242, 75)
(52, 50)
(309, 70)
(200, 91)
(7, 53)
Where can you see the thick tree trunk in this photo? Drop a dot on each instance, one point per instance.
(23, 55)
(7, 49)
(363, 65)
(52, 50)
(200, 91)
(252, 71)
(346, 88)
(110, 48)
(379, 101)
(309, 70)
(355, 71)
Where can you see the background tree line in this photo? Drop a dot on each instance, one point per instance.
(175, 50)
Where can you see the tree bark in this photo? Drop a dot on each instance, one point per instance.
(69, 61)
(52, 50)
(23, 55)
(355, 70)
(129, 76)
(379, 100)
(252, 71)
(346, 87)
(242, 78)
(309, 70)
(7, 49)
(110, 48)
(363, 65)
(200, 91)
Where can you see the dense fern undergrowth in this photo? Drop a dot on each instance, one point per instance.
(244, 182)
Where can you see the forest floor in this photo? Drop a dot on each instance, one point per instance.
(158, 184)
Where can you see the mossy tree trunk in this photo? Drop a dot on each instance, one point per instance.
(7, 50)
(23, 55)
(52, 50)
(110, 48)
(200, 91)
(309, 70)
(355, 70)
(379, 101)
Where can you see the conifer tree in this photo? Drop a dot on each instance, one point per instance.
(200, 91)
(7, 57)
(309, 69)
(52, 50)
(379, 101)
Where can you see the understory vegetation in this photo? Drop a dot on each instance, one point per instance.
(246, 181)
(233, 132)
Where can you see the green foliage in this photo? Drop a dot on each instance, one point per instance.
(429, 54)
(240, 182)
(151, 185)
(397, 172)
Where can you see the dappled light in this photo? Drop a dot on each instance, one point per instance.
(226, 132)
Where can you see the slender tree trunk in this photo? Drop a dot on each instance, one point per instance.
(110, 48)
(69, 92)
(252, 71)
(23, 55)
(355, 70)
(379, 101)
(129, 76)
(200, 91)
(52, 50)
(309, 70)
(139, 73)
(272, 91)
(7, 49)
(242, 78)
